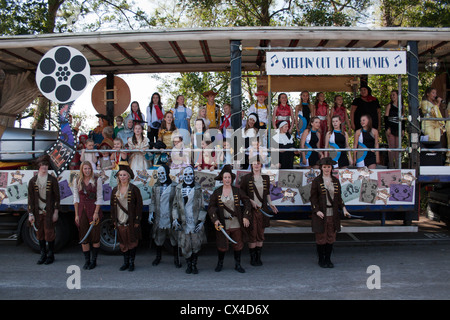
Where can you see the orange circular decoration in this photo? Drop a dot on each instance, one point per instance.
(122, 96)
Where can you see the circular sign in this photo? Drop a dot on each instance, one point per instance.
(120, 96)
(62, 74)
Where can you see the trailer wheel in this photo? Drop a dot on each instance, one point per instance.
(107, 235)
(62, 230)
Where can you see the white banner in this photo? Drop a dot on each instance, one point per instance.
(335, 62)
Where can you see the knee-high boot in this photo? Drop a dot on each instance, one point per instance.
(93, 263)
(321, 254)
(221, 256)
(87, 259)
(50, 254)
(132, 258)
(126, 261)
(237, 262)
(43, 249)
(328, 250)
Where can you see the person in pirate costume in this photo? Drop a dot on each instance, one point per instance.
(326, 201)
(126, 211)
(43, 208)
(225, 212)
(257, 187)
(163, 194)
(87, 197)
(189, 215)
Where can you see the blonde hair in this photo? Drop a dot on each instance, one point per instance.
(81, 175)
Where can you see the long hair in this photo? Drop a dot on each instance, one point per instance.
(138, 110)
(164, 125)
(427, 92)
(311, 121)
(331, 124)
(159, 101)
(369, 124)
(279, 101)
(134, 139)
(81, 175)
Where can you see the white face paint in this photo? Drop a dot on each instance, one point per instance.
(162, 176)
(188, 175)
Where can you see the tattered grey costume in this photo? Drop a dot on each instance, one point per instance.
(162, 206)
(190, 215)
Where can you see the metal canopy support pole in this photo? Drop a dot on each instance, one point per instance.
(413, 102)
(400, 115)
(110, 92)
(236, 85)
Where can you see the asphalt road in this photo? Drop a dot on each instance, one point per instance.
(290, 272)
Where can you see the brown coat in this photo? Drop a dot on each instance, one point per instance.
(52, 199)
(135, 206)
(319, 203)
(247, 185)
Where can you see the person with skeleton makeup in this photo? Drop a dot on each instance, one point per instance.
(188, 218)
(163, 194)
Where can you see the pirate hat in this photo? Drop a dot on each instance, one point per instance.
(326, 161)
(226, 168)
(209, 93)
(124, 166)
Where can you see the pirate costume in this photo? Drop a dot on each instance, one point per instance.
(126, 211)
(43, 200)
(162, 197)
(227, 210)
(326, 198)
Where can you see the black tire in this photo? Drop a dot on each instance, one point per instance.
(107, 236)
(62, 230)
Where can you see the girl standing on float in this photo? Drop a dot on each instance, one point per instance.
(182, 118)
(155, 115)
(338, 138)
(138, 141)
(303, 111)
(321, 111)
(311, 139)
(283, 112)
(366, 137)
(340, 110)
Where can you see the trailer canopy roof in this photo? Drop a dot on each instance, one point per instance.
(190, 50)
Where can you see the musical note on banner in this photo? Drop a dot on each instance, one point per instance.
(398, 60)
(274, 57)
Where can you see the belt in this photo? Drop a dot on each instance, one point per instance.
(283, 118)
(322, 117)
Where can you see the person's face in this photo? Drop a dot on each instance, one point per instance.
(326, 169)
(339, 101)
(199, 125)
(155, 99)
(226, 109)
(284, 128)
(283, 99)
(336, 122)
(315, 124)
(119, 122)
(137, 130)
(180, 100)
(202, 113)
(43, 169)
(90, 145)
(256, 166)
(432, 95)
(261, 99)
(321, 97)
(211, 98)
(226, 179)
(168, 118)
(177, 142)
(117, 145)
(87, 170)
(130, 124)
(364, 121)
(124, 177)
(364, 92)
(394, 96)
(305, 96)
(251, 122)
(83, 140)
(134, 107)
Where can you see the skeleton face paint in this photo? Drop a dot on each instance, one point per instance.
(162, 176)
(188, 175)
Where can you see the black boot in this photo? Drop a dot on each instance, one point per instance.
(87, 259)
(189, 265)
(221, 256)
(50, 254)
(194, 263)
(176, 257)
(252, 256)
(132, 257)
(328, 250)
(126, 261)
(237, 262)
(93, 263)
(321, 254)
(43, 248)
(158, 256)
(258, 256)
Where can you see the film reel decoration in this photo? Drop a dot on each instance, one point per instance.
(62, 74)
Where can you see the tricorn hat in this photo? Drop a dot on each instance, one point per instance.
(124, 166)
(226, 168)
(326, 161)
